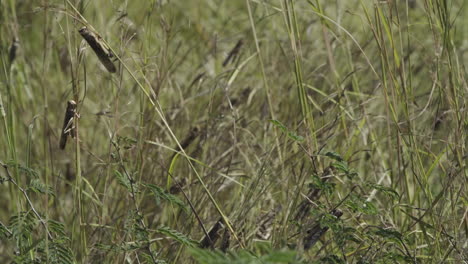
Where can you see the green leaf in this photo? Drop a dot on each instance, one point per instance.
(386, 190)
(3, 231)
(279, 125)
(295, 137)
(334, 155)
(159, 193)
(208, 256)
(123, 180)
(183, 239)
(149, 259)
(319, 184)
(393, 257)
(28, 171)
(60, 253)
(342, 166)
(22, 224)
(358, 204)
(56, 227)
(107, 248)
(332, 259)
(291, 134)
(345, 234)
(38, 187)
(141, 233)
(389, 234)
(330, 221)
(280, 257)
(126, 142)
(204, 256)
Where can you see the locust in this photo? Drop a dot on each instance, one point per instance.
(102, 51)
(13, 49)
(233, 53)
(68, 123)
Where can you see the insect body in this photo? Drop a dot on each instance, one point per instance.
(13, 48)
(102, 50)
(68, 123)
(233, 53)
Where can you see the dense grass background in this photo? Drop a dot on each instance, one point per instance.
(353, 107)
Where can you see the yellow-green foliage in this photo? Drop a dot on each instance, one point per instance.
(234, 131)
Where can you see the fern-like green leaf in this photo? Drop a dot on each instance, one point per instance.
(22, 224)
(291, 134)
(389, 234)
(159, 193)
(332, 259)
(60, 254)
(123, 180)
(385, 190)
(27, 171)
(334, 155)
(359, 204)
(38, 187)
(4, 231)
(394, 257)
(183, 239)
(279, 257)
(204, 256)
(56, 227)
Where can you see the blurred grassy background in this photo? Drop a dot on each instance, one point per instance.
(368, 102)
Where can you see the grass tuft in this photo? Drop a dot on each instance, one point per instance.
(233, 131)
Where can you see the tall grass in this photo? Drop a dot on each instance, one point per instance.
(336, 131)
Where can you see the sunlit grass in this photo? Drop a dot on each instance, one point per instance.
(335, 132)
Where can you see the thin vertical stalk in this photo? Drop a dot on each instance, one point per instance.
(264, 78)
